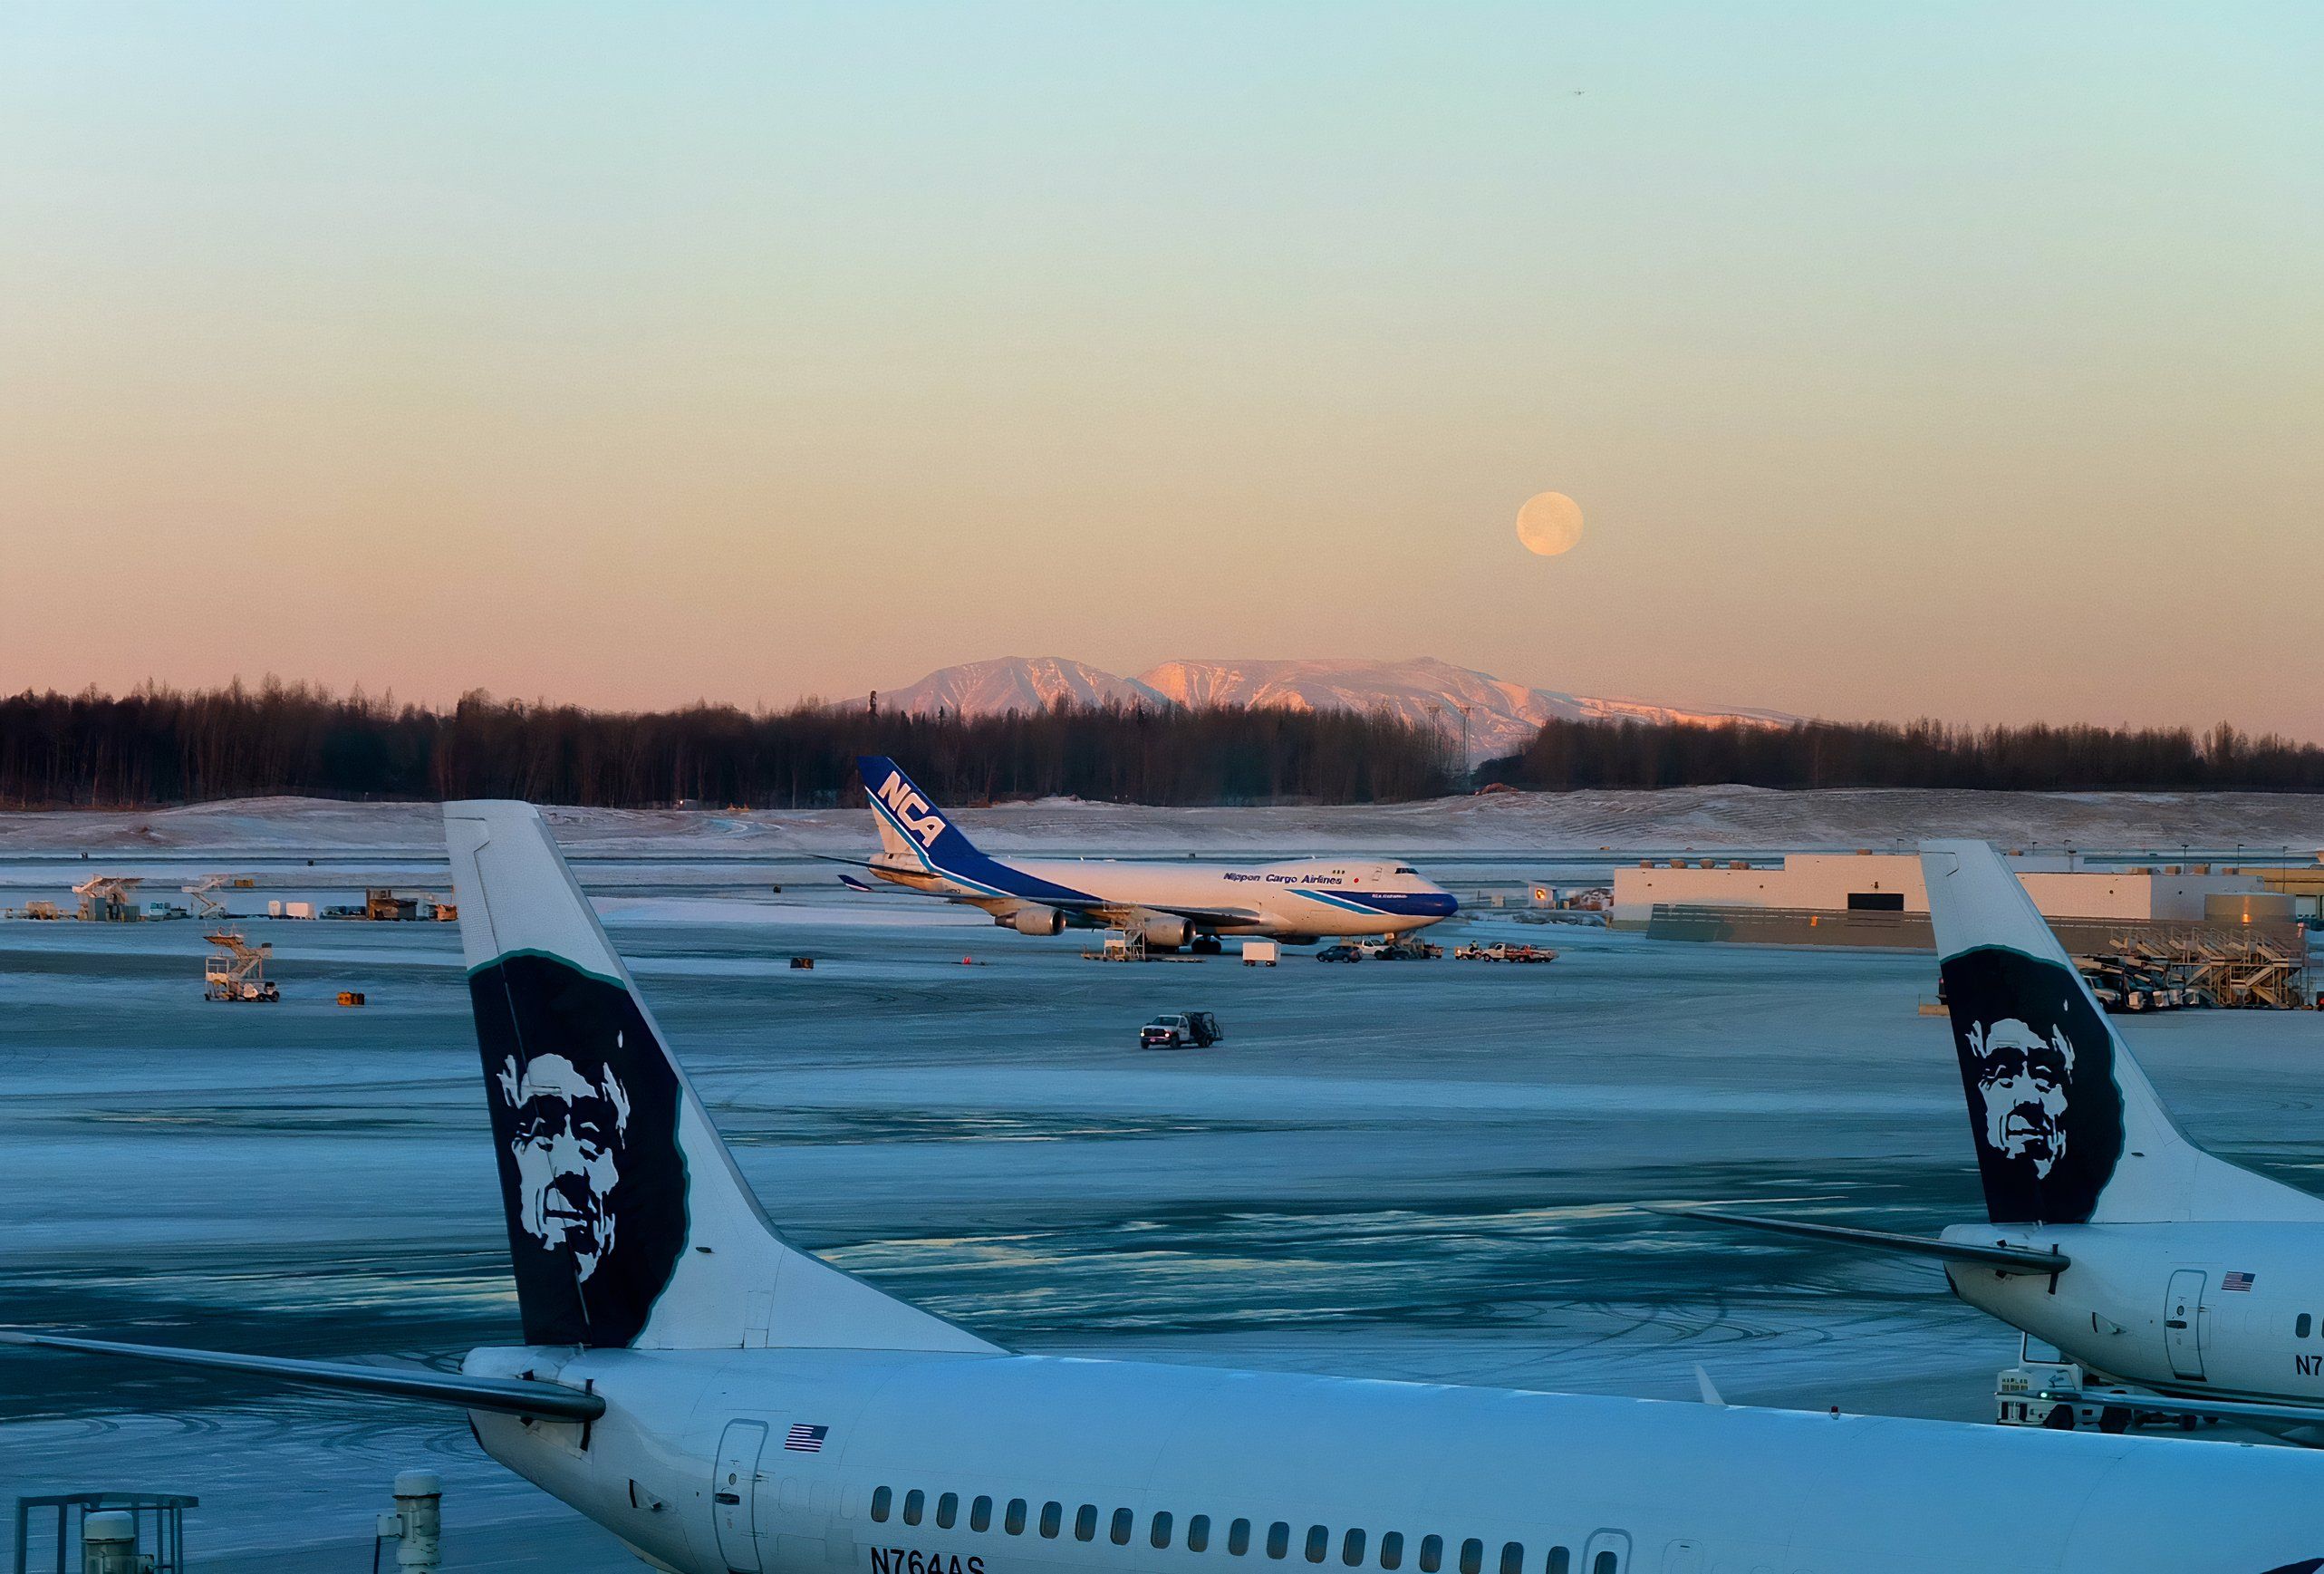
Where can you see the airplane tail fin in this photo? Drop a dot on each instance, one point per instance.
(2068, 1129)
(912, 827)
(628, 1222)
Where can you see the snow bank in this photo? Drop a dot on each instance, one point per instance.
(1706, 819)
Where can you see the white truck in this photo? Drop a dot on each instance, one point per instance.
(2045, 1389)
(1181, 1030)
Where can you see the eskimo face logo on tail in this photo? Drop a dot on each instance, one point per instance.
(915, 812)
(569, 1131)
(2036, 1063)
(584, 1117)
(2020, 1079)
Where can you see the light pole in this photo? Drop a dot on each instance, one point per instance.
(1439, 708)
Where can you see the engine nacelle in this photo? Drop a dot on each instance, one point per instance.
(1035, 920)
(1164, 929)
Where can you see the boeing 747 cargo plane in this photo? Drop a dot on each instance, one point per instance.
(2109, 1234)
(727, 1404)
(1169, 904)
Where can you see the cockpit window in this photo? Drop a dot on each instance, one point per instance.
(1406, 869)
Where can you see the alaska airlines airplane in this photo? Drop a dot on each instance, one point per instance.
(726, 1403)
(1171, 905)
(2109, 1233)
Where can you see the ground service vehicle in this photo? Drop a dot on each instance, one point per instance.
(1172, 1031)
(1505, 951)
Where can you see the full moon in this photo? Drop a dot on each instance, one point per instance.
(1550, 524)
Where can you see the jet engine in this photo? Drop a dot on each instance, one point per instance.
(1161, 930)
(1035, 920)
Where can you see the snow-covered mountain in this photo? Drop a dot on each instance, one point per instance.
(1009, 683)
(1502, 715)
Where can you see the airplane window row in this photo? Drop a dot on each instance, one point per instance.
(1163, 1530)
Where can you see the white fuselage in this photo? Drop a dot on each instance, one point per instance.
(2148, 1303)
(935, 1464)
(1299, 898)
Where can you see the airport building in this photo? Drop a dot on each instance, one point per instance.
(1871, 882)
(2304, 887)
(2149, 937)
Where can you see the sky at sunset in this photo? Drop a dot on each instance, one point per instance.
(1959, 360)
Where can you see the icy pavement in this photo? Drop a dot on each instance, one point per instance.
(1417, 1170)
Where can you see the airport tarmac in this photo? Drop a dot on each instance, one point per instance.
(1412, 1170)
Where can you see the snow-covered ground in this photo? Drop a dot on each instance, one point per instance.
(1420, 1169)
(1675, 820)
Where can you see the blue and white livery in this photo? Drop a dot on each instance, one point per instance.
(1171, 905)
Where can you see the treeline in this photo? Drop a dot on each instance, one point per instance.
(1922, 754)
(162, 746)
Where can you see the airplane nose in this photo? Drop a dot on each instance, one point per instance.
(1442, 902)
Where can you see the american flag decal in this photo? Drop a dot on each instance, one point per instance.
(809, 1439)
(2235, 1282)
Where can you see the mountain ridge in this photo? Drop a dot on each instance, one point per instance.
(1005, 683)
(1502, 715)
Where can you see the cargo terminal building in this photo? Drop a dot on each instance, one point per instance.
(1841, 884)
(2145, 938)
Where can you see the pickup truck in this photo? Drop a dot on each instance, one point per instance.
(1181, 1030)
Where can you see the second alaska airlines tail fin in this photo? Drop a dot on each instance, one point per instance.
(2066, 1128)
(628, 1222)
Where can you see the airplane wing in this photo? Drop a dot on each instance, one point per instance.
(850, 881)
(1116, 913)
(509, 1395)
(1119, 913)
(883, 888)
(2000, 1258)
